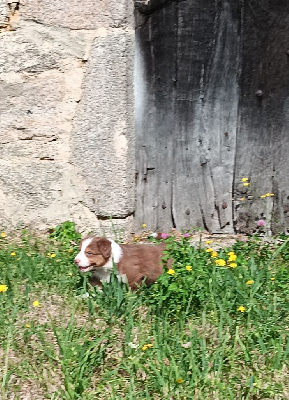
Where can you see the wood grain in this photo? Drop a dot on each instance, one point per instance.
(200, 125)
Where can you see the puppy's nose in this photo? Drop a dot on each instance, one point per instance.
(77, 261)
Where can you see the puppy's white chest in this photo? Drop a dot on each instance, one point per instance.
(103, 274)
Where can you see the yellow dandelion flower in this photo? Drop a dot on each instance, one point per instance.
(13, 254)
(272, 194)
(209, 250)
(144, 225)
(3, 235)
(214, 254)
(241, 309)
(231, 253)
(272, 279)
(171, 272)
(233, 265)
(263, 196)
(188, 268)
(268, 194)
(244, 179)
(144, 348)
(48, 254)
(53, 255)
(250, 282)
(209, 241)
(3, 288)
(246, 184)
(179, 380)
(27, 325)
(36, 304)
(220, 262)
(232, 257)
(149, 345)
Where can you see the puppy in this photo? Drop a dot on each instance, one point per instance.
(135, 262)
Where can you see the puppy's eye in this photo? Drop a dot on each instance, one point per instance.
(89, 253)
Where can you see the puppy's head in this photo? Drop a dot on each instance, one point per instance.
(94, 253)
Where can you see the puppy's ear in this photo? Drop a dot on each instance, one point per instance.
(104, 246)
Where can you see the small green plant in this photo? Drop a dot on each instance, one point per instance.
(65, 234)
(185, 284)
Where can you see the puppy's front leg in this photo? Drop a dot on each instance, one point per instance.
(95, 281)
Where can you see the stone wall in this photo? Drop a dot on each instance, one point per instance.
(66, 114)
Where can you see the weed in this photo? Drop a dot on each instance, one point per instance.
(65, 234)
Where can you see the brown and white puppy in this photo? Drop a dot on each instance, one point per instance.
(134, 262)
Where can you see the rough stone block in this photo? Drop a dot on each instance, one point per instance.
(84, 14)
(3, 13)
(103, 137)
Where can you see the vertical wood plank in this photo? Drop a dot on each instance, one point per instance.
(155, 118)
(263, 135)
(206, 109)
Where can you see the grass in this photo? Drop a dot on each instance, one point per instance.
(185, 337)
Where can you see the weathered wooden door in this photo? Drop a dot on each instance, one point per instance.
(212, 107)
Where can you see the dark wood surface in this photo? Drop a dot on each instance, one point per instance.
(212, 107)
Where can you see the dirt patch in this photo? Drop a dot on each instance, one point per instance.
(203, 238)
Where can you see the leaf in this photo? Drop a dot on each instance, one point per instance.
(173, 287)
